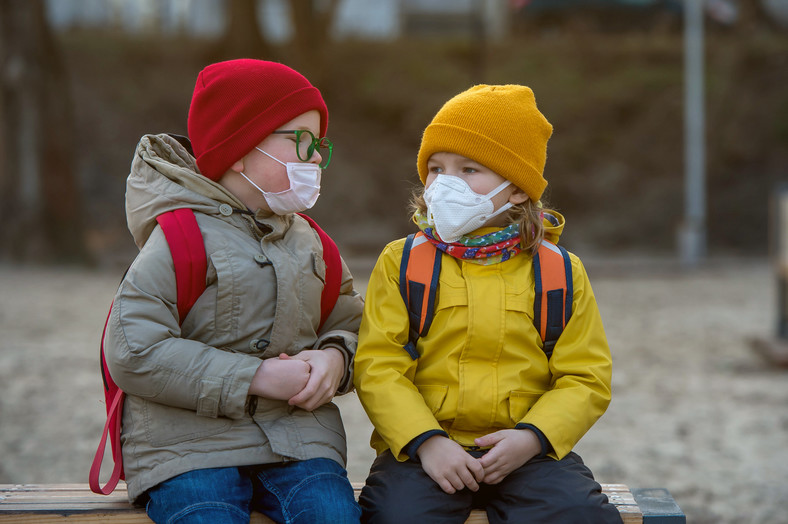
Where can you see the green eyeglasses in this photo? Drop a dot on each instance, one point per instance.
(307, 143)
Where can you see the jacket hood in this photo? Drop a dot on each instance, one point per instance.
(164, 176)
(553, 225)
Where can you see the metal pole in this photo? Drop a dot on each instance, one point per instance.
(780, 240)
(693, 231)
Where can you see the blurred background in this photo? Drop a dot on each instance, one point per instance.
(83, 80)
(661, 148)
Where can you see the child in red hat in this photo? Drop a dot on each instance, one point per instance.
(229, 410)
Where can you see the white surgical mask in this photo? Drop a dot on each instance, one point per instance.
(303, 191)
(455, 209)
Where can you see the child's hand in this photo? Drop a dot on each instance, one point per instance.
(511, 448)
(280, 378)
(327, 368)
(450, 466)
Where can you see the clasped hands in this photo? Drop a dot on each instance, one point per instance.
(453, 469)
(307, 380)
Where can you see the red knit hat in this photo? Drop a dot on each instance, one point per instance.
(236, 104)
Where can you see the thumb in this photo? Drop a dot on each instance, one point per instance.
(284, 356)
(489, 440)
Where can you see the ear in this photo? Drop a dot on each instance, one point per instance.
(518, 196)
(238, 166)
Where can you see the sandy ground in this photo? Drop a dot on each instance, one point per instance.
(695, 410)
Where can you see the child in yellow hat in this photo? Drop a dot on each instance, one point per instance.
(478, 411)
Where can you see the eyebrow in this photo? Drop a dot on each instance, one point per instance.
(464, 163)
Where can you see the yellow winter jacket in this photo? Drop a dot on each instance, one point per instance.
(481, 366)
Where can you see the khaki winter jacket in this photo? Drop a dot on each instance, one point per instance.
(187, 406)
(481, 366)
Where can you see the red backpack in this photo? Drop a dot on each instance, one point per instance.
(188, 255)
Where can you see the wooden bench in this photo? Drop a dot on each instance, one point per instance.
(48, 503)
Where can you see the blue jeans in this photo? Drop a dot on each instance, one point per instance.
(309, 491)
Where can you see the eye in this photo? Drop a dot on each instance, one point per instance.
(469, 170)
(306, 137)
(435, 169)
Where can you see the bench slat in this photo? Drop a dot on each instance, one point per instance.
(55, 503)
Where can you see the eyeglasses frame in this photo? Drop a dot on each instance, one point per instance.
(315, 144)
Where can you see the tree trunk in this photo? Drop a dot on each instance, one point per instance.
(312, 27)
(242, 37)
(41, 212)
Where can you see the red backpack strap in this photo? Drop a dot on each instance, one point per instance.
(111, 431)
(420, 269)
(552, 293)
(188, 255)
(333, 271)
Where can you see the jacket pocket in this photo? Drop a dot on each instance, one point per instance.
(451, 294)
(520, 402)
(333, 434)
(329, 417)
(167, 425)
(433, 396)
(295, 433)
(521, 303)
(226, 313)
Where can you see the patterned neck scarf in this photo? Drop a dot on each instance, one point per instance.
(492, 248)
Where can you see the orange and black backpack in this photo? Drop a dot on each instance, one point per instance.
(188, 255)
(420, 268)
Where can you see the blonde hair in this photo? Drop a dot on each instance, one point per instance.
(528, 216)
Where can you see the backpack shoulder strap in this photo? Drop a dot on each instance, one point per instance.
(420, 268)
(333, 271)
(188, 255)
(552, 293)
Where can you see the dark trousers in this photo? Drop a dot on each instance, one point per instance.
(543, 490)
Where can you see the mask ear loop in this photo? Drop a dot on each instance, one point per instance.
(265, 193)
(491, 194)
(504, 185)
(250, 181)
(270, 156)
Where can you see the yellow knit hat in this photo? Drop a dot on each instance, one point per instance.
(498, 126)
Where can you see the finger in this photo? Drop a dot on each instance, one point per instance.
(447, 487)
(302, 399)
(490, 439)
(468, 480)
(489, 459)
(305, 394)
(493, 467)
(284, 356)
(477, 469)
(443, 482)
(456, 482)
(493, 479)
(316, 401)
(314, 395)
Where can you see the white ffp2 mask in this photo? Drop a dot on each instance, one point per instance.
(303, 191)
(455, 209)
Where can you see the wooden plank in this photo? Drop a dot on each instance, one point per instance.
(52, 503)
(657, 505)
